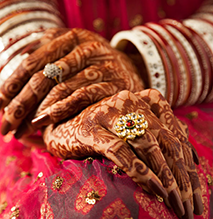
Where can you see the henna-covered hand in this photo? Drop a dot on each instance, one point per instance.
(151, 160)
(92, 70)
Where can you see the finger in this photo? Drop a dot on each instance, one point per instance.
(80, 99)
(52, 51)
(162, 109)
(92, 75)
(49, 35)
(148, 150)
(25, 102)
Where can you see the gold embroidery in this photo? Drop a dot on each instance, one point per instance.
(192, 115)
(209, 180)
(14, 212)
(89, 159)
(38, 177)
(3, 206)
(160, 199)
(117, 209)
(23, 174)
(56, 185)
(68, 180)
(137, 20)
(92, 184)
(92, 197)
(171, 2)
(98, 24)
(10, 159)
(46, 210)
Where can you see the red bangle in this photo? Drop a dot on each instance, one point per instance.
(202, 71)
(179, 61)
(166, 61)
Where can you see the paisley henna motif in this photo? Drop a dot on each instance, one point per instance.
(91, 132)
(81, 87)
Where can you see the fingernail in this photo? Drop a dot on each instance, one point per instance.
(41, 120)
(157, 188)
(198, 204)
(20, 131)
(188, 210)
(5, 127)
(176, 203)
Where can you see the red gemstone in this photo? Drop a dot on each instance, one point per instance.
(130, 123)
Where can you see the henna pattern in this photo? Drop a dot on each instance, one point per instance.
(116, 73)
(163, 111)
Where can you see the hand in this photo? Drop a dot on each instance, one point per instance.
(92, 70)
(162, 156)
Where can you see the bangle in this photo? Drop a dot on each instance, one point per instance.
(149, 53)
(25, 6)
(11, 66)
(203, 69)
(194, 65)
(23, 30)
(7, 55)
(205, 31)
(180, 67)
(26, 17)
(165, 58)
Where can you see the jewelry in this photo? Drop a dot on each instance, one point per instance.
(155, 69)
(53, 71)
(130, 126)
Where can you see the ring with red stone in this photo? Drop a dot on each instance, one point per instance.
(131, 125)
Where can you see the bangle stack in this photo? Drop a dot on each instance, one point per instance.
(181, 64)
(22, 23)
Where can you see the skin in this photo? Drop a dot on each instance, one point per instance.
(92, 70)
(90, 65)
(160, 149)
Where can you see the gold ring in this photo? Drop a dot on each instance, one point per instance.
(53, 71)
(130, 126)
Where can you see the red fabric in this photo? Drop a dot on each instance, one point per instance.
(120, 197)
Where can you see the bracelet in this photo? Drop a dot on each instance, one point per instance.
(203, 68)
(23, 30)
(11, 66)
(165, 58)
(194, 70)
(147, 49)
(25, 6)
(6, 56)
(205, 30)
(26, 16)
(178, 60)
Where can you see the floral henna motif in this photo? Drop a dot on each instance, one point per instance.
(117, 73)
(163, 111)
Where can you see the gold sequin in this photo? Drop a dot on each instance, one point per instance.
(116, 22)
(161, 13)
(3, 206)
(209, 180)
(160, 199)
(23, 174)
(192, 115)
(137, 20)
(79, 3)
(58, 182)
(14, 212)
(115, 169)
(171, 2)
(89, 159)
(39, 176)
(92, 197)
(98, 24)
(10, 159)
